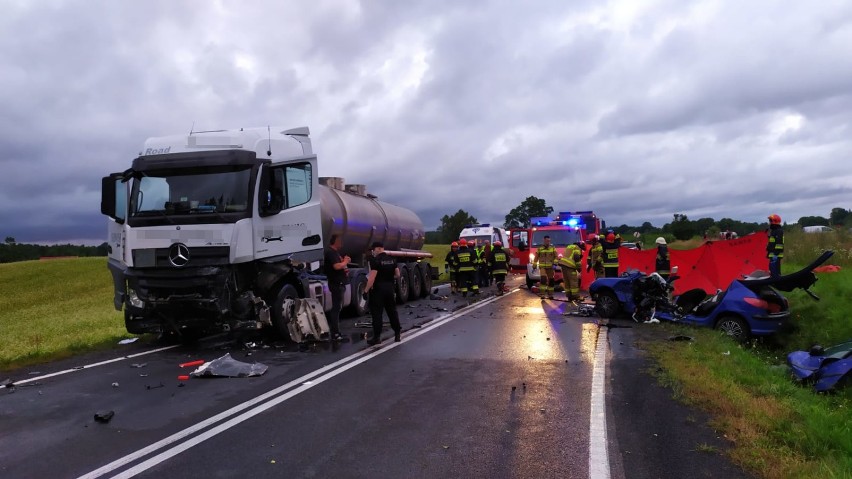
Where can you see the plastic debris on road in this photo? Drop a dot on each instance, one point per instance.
(228, 367)
(138, 365)
(128, 341)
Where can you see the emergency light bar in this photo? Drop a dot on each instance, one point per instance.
(541, 221)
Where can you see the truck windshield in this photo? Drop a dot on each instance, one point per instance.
(557, 237)
(193, 191)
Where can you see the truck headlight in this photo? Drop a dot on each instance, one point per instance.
(134, 298)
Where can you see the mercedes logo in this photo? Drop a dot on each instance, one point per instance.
(178, 255)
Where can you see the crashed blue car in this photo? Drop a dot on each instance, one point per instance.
(751, 306)
(828, 369)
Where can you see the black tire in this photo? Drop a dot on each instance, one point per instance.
(360, 305)
(280, 314)
(607, 305)
(415, 284)
(402, 285)
(426, 278)
(734, 326)
(530, 282)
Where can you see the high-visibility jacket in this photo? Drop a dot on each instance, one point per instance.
(498, 262)
(610, 252)
(596, 255)
(479, 255)
(465, 259)
(546, 256)
(571, 258)
(775, 246)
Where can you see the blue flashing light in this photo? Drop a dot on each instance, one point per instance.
(572, 222)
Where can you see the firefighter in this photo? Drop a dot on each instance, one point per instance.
(570, 264)
(663, 263)
(487, 278)
(594, 262)
(466, 269)
(610, 245)
(450, 266)
(775, 246)
(498, 265)
(546, 256)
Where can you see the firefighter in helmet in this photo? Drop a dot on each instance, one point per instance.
(450, 266)
(546, 257)
(775, 245)
(498, 265)
(465, 269)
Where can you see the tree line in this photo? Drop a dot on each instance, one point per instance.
(681, 227)
(12, 251)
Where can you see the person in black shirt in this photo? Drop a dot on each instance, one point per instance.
(336, 269)
(380, 283)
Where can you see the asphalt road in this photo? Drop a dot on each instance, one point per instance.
(498, 388)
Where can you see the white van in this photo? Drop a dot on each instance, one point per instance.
(817, 229)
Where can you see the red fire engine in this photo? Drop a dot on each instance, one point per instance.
(564, 229)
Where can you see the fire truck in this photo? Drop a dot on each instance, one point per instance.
(564, 229)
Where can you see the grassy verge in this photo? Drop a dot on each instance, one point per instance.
(439, 252)
(779, 429)
(53, 309)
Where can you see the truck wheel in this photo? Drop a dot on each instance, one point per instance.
(402, 285)
(360, 305)
(415, 282)
(282, 309)
(734, 327)
(426, 277)
(607, 305)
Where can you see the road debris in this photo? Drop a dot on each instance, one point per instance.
(226, 366)
(192, 364)
(138, 365)
(104, 416)
(115, 385)
(128, 341)
(161, 385)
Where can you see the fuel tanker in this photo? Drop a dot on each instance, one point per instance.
(222, 230)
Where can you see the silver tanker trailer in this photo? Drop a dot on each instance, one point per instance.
(223, 229)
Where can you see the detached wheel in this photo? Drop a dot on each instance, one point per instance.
(607, 305)
(402, 285)
(734, 327)
(282, 309)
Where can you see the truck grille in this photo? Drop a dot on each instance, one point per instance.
(198, 256)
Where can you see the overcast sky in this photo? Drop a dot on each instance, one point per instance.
(637, 110)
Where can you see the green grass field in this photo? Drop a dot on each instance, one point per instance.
(52, 309)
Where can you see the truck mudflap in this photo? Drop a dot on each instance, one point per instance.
(307, 320)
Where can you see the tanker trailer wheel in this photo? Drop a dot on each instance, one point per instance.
(415, 282)
(360, 304)
(402, 285)
(426, 278)
(283, 309)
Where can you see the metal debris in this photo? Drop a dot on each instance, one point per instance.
(226, 366)
(104, 416)
(128, 341)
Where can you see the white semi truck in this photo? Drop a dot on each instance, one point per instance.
(218, 230)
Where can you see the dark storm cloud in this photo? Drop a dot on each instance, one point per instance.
(635, 111)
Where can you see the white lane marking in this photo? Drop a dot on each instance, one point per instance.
(89, 366)
(598, 456)
(315, 377)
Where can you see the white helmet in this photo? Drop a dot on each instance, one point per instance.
(661, 240)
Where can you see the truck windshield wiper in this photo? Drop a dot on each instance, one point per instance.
(155, 213)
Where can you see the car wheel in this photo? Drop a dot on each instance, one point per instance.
(607, 305)
(734, 327)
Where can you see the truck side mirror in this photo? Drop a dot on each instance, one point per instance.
(108, 196)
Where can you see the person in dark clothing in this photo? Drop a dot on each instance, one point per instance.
(498, 265)
(663, 263)
(450, 266)
(336, 270)
(775, 245)
(380, 280)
